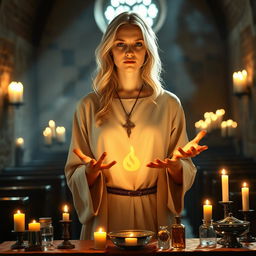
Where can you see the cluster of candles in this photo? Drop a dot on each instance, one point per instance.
(15, 93)
(52, 133)
(240, 81)
(207, 207)
(19, 221)
(228, 128)
(211, 121)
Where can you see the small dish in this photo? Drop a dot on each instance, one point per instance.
(131, 239)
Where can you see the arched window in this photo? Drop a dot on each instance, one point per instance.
(153, 11)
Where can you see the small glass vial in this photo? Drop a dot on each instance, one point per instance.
(163, 238)
(178, 234)
(46, 232)
(207, 234)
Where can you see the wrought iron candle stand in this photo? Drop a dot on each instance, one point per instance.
(19, 244)
(226, 210)
(34, 241)
(66, 235)
(248, 237)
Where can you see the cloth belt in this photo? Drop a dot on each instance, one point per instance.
(124, 192)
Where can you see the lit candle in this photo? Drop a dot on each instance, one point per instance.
(15, 92)
(224, 129)
(47, 133)
(229, 127)
(61, 134)
(224, 183)
(34, 226)
(207, 208)
(19, 142)
(19, 221)
(240, 81)
(245, 197)
(52, 127)
(131, 241)
(100, 239)
(65, 214)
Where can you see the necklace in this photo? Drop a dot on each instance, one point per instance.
(129, 124)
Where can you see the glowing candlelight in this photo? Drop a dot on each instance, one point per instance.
(131, 241)
(15, 92)
(34, 226)
(207, 209)
(65, 214)
(19, 221)
(225, 188)
(100, 239)
(245, 197)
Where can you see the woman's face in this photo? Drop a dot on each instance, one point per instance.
(128, 49)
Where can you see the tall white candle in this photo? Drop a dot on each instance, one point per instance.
(245, 197)
(225, 188)
(47, 133)
(61, 134)
(207, 208)
(52, 127)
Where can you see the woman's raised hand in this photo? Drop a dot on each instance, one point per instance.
(93, 167)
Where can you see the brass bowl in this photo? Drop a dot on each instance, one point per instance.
(131, 239)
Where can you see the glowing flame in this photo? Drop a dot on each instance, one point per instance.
(207, 202)
(65, 208)
(245, 185)
(131, 161)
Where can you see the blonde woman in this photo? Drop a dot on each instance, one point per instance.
(129, 161)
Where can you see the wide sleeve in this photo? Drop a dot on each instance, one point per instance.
(87, 200)
(178, 138)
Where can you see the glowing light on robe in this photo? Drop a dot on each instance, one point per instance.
(131, 162)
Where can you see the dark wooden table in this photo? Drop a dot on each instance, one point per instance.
(85, 247)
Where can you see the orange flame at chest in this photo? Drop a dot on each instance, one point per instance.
(131, 162)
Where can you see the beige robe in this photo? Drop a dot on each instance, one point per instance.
(160, 128)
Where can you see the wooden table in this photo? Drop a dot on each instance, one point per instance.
(85, 247)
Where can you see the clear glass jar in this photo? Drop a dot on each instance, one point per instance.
(178, 234)
(163, 238)
(46, 232)
(207, 235)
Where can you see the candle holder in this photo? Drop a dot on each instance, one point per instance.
(66, 235)
(248, 237)
(34, 241)
(226, 210)
(226, 207)
(19, 244)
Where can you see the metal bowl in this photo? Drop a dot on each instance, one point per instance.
(131, 239)
(230, 229)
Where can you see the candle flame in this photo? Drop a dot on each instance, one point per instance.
(131, 161)
(65, 208)
(52, 123)
(18, 211)
(131, 235)
(34, 221)
(207, 202)
(223, 172)
(100, 230)
(245, 185)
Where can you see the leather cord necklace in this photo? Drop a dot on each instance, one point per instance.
(129, 124)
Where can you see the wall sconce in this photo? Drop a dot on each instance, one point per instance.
(240, 83)
(15, 94)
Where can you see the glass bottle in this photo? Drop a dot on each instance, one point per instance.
(46, 232)
(207, 234)
(163, 238)
(178, 234)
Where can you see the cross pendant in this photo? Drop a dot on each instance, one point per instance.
(128, 126)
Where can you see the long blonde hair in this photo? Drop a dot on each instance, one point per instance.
(106, 81)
